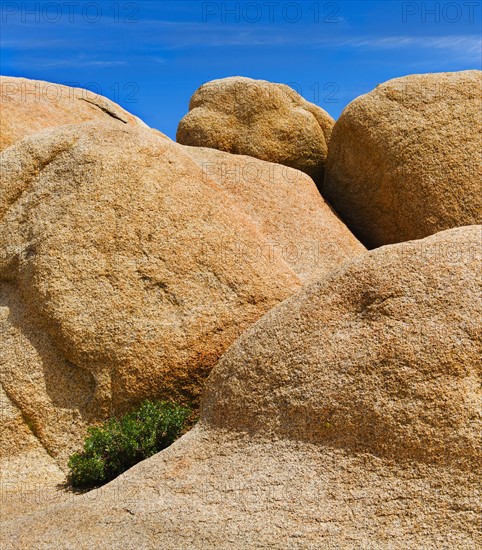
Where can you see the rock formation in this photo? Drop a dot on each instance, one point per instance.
(286, 207)
(348, 416)
(404, 160)
(260, 119)
(124, 273)
(29, 106)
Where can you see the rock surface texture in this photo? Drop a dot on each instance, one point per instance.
(260, 119)
(349, 416)
(120, 275)
(286, 207)
(404, 160)
(28, 474)
(29, 106)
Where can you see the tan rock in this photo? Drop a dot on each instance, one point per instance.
(287, 209)
(18, 439)
(348, 417)
(404, 160)
(121, 277)
(260, 119)
(29, 106)
(382, 356)
(28, 474)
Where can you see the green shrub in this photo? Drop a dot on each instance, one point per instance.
(119, 443)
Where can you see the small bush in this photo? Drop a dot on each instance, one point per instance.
(119, 443)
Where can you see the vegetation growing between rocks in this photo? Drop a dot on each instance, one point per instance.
(119, 443)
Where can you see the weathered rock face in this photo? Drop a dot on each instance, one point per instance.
(286, 207)
(348, 416)
(382, 356)
(120, 275)
(260, 119)
(404, 160)
(25, 466)
(29, 106)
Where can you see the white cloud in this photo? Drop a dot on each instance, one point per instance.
(469, 43)
(79, 63)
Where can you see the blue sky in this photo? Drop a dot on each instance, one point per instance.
(151, 56)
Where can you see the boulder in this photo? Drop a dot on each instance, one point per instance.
(287, 208)
(260, 119)
(121, 275)
(349, 416)
(382, 356)
(404, 160)
(28, 474)
(29, 106)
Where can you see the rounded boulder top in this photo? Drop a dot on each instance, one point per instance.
(404, 160)
(30, 106)
(383, 356)
(260, 119)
